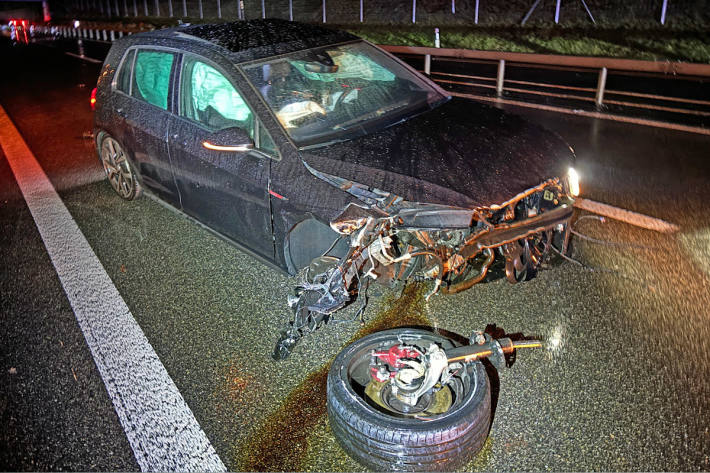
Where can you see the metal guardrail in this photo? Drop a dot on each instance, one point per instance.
(602, 65)
(630, 65)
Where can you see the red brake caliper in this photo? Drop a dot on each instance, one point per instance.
(391, 357)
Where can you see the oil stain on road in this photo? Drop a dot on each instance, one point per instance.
(281, 443)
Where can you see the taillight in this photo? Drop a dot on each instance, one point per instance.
(92, 100)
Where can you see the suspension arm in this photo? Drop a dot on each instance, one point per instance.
(490, 348)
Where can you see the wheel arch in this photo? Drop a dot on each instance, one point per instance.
(309, 239)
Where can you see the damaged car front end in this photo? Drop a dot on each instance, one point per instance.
(391, 239)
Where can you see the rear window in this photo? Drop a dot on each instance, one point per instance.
(151, 77)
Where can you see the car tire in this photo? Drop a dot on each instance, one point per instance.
(381, 440)
(118, 168)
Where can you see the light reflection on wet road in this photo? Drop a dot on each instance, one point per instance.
(624, 383)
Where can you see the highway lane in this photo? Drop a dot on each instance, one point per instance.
(623, 383)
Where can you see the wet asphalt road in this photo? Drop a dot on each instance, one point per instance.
(624, 383)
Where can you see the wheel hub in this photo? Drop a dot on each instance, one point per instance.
(431, 403)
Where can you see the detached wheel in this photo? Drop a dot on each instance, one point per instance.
(444, 431)
(118, 169)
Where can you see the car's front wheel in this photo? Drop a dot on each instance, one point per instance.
(443, 432)
(118, 169)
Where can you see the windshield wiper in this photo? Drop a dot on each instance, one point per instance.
(380, 112)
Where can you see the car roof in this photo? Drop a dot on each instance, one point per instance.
(256, 39)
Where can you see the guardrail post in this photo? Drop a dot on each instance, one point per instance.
(601, 85)
(103, 35)
(290, 10)
(414, 11)
(112, 36)
(557, 12)
(500, 78)
(361, 10)
(263, 9)
(427, 64)
(202, 16)
(475, 15)
(219, 9)
(664, 7)
(323, 11)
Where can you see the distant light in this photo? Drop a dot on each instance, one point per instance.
(92, 100)
(76, 23)
(573, 178)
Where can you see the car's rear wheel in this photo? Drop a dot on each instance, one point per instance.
(118, 169)
(445, 434)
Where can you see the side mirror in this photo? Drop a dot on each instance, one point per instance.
(233, 139)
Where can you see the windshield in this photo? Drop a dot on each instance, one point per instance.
(339, 92)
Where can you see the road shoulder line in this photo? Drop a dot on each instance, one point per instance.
(161, 428)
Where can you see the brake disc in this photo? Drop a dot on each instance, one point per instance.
(437, 402)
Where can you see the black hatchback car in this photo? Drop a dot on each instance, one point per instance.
(310, 148)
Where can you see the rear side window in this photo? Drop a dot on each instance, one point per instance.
(123, 82)
(151, 77)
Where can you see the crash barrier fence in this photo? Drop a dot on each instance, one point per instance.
(355, 10)
(602, 66)
(95, 34)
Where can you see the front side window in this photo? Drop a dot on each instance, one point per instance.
(207, 97)
(339, 92)
(151, 77)
(266, 143)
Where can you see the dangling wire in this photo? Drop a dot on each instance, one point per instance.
(600, 270)
(605, 242)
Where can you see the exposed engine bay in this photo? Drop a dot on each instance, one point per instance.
(392, 240)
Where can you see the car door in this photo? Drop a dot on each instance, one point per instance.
(142, 102)
(225, 187)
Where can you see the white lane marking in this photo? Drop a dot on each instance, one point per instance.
(85, 58)
(633, 218)
(160, 427)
